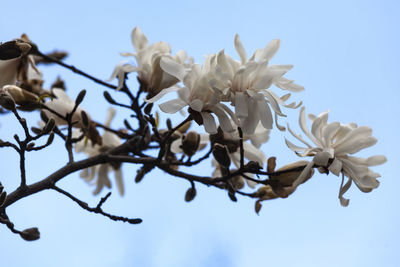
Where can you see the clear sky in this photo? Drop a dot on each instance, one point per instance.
(345, 54)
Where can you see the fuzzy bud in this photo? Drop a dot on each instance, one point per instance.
(30, 234)
(80, 97)
(190, 194)
(190, 143)
(6, 101)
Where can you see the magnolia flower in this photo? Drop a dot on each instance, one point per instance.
(110, 141)
(63, 104)
(148, 57)
(196, 93)
(246, 85)
(14, 68)
(334, 143)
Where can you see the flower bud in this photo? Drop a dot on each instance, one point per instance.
(108, 97)
(237, 182)
(21, 96)
(80, 97)
(190, 194)
(190, 143)
(6, 101)
(221, 155)
(30, 234)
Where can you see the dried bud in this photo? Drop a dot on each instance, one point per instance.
(190, 143)
(221, 155)
(6, 101)
(108, 97)
(30, 234)
(190, 194)
(142, 172)
(80, 97)
(258, 206)
(49, 126)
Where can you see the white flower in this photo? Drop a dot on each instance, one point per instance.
(197, 93)
(63, 105)
(334, 143)
(246, 84)
(150, 75)
(110, 141)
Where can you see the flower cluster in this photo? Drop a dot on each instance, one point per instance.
(245, 84)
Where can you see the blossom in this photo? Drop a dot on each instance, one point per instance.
(334, 143)
(246, 85)
(14, 68)
(148, 57)
(110, 140)
(197, 93)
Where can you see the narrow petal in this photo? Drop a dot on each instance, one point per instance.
(139, 40)
(162, 93)
(240, 49)
(209, 123)
(270, 50)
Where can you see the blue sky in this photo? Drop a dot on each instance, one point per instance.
(345, 53)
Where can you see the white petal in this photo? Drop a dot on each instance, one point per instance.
(172, 106)
(265, 114)
(162, 93)
(240, 49)
(196, 105)
(119, 181)
(173, 68)
(139, 40)
(241, 110)
(270, 50)
(335, 167)
(223, 119)
(209, 123)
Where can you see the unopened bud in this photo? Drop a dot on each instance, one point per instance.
(221, 155)
(108, 97)
(30, 146)
(6, 101)
(232, 196)
(30, 234)
(43, 116)
(80, 97)
(190, 143)
(51, 138)
(237, 182)
(190, 194)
